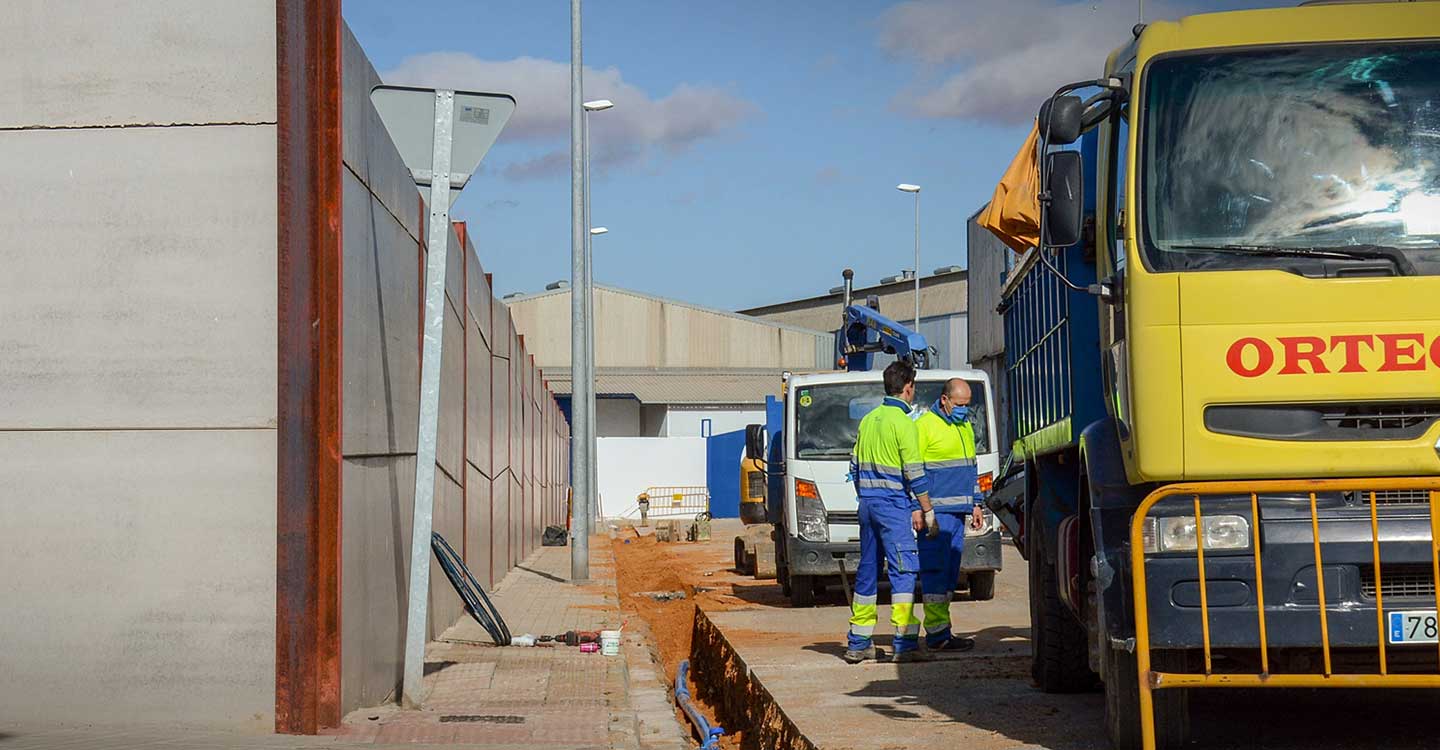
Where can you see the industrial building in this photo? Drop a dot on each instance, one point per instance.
(212, 345)
(666, 368)
(942, 310)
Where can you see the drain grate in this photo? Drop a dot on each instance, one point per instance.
(482, 719)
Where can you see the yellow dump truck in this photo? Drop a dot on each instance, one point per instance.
(1223, 363)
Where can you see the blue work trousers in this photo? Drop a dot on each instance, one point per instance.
(886, 537)
(940, 571)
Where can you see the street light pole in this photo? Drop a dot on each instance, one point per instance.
(599, 105)
(581, 385)
(908, 188)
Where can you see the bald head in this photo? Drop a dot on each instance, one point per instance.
(956, 393)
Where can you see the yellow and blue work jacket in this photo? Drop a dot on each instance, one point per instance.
(886, 463)
(947, 445)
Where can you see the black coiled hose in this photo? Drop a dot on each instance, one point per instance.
(476, 602)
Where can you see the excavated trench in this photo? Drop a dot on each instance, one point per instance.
(723, 681)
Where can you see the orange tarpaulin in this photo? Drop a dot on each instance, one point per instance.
(1013, 214)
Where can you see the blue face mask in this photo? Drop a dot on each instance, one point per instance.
(960, 413)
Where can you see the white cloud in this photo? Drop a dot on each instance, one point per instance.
(638, 127)
(1011, 54)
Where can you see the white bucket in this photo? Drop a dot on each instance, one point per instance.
(610, 642)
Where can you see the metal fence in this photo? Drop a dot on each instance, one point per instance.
(1388, 501)
(678, 502)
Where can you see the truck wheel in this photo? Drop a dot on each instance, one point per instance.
(802, 591)
(1059, 661)
(1122, 707)
(982, 585)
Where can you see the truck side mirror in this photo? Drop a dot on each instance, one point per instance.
(1064, 116)
(1065, 201)
(755, 442)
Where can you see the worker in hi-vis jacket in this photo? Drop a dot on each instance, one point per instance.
(947, 445)
(892, 488)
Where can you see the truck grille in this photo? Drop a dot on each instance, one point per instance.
(843, 517)
(1409, 581)
(1389, 497)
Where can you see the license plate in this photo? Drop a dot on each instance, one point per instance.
(1416, 626)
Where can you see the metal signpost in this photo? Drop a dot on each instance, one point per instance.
(442, 135)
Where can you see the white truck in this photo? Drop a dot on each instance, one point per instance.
(811, 507)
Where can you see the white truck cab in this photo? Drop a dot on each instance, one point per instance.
(817, 529)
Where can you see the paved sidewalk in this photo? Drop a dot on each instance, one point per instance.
(480, 695)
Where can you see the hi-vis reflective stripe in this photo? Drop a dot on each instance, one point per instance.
(879, 468)
(910, 629)
(899, 599)
(952, 500)
(950, 463)
(864, 599)
(914, 471)
(864, 631)
(868, 483)
(936, 598)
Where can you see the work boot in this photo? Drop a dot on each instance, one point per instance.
(917, 655)
(869, 653)
(955, 644)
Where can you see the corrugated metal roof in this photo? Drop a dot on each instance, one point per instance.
(678, 385)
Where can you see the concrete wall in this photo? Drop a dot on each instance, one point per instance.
(626, 466)
(501, 438)
(635, 330)
(618, 417)
(686, 420)
(138, 357)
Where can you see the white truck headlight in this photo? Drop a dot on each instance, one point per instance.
(812, 524)
(1177, 533)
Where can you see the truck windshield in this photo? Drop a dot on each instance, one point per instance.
(828, 415)
(1307, 158)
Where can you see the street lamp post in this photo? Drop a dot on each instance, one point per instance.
(906, 187)
(588, 292)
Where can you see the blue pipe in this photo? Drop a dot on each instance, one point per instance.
(710, 736)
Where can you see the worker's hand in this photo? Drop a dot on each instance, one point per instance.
(977, 519)
(932, 526)
(917, 521)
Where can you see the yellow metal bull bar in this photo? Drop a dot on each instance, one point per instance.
(1151, 680)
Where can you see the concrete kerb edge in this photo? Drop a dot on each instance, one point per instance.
(726, 682)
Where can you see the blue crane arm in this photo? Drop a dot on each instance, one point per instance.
(866, 331)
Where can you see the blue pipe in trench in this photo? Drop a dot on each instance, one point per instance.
(709, 736)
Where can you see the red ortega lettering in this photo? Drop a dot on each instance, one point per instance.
(1251, 357)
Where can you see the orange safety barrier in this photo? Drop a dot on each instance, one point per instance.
(1368, 488)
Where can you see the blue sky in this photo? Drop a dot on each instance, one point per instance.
(756, 145)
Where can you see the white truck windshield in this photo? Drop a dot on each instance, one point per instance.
(1293, 158)
(828, 415)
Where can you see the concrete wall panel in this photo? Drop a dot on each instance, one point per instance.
(368, 150)
(378, 507)
(478, 294)
(499, 416)
(164, 63)
(478, 526)
(500, 528)
(148, 307)
(450, 440)
(519, 547)
(449, 522)
(382, 316)
(140, 578)
(478, 402)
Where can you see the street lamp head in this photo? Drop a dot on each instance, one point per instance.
(598, 231)
(906, 187)
(598, 105)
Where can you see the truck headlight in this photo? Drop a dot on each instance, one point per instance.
(811, 522)
(1177, 533)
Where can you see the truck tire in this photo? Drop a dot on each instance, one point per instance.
(982, 585)
(801, 590)
(1059, 661)
(1122, 707)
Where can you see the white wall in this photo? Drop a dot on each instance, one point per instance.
(617, 417)
(684, 421)
(626, 466)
